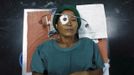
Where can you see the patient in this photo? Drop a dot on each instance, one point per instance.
(68, 54)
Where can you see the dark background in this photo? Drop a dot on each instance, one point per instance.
(120, 27)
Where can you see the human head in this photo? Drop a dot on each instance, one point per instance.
(67, 25)
(61, 9)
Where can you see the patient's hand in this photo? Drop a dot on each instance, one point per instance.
(80, 73)
(95, 72)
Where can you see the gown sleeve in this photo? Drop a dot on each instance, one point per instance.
(97, 59)
(38, 63)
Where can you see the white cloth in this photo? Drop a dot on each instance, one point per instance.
(94, 14)
(106, 69)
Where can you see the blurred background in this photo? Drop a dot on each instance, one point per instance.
(120, 27)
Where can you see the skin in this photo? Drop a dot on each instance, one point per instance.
(35, 73)
(103, 49)
(67, 32)
(95, 72)
(67, 38)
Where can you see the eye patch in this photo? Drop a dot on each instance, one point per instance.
(64, 19)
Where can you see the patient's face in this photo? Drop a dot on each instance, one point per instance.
(67, 24)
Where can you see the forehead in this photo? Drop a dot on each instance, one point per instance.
(69, 12)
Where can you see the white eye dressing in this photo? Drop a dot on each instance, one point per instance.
(64, 19)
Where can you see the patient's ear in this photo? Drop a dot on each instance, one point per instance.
(56, 26)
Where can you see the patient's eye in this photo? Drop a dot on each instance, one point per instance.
(64, 19)
(73, 19)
